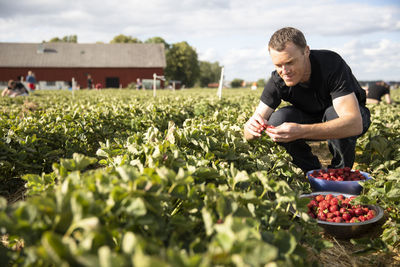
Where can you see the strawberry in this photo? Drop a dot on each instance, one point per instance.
(338, 219)
(346, 216)
(337, 209)
(342, 210)
(354, 220)
(345, 174)
(358, 211)
(330, 215)
(321, 216)
(333, 208)
(334, 201)
(370, 214)
(362, 218)
(319, 198)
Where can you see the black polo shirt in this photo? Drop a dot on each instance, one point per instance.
(376, 91)
(330, 78)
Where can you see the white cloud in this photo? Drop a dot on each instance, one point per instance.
(229, 31)
(372, 60)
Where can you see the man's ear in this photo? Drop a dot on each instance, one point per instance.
(307, 51)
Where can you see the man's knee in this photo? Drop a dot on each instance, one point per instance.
(285, 114)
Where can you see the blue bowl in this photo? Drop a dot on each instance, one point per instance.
(347, 187)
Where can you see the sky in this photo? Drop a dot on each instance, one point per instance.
(234, 33)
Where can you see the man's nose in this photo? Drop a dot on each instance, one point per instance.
(285, 69)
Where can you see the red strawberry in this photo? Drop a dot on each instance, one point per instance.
(370, 214)
(338, 219)
(358, 211)
(333, 208)
(346, 216)
(321, 216)
(328, 197)
(319, 198)
(354, 220)
(330, 215)
(334, 201)
(362, 218)
(337, 213)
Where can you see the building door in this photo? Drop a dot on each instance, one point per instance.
(112, 82)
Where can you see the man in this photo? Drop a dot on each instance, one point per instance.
(327, 102)
(375, 92)
(89, 81)
(31, 80)
(14, 89)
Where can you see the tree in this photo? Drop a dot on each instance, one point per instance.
(182, 64)
(236, 83)
(157, 40)
(261, 83)
(209, 73)
(65, 39)
(125, 39)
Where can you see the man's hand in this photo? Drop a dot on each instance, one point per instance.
(285, 132)
(258, 122)
(254, 126)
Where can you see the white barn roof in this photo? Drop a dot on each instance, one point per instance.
(62, 55)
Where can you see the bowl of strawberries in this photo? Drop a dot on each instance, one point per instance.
(344, 180)
(340, 216)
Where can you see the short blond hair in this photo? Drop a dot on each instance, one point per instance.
(285, 35)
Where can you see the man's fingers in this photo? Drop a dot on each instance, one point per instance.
(260, 120)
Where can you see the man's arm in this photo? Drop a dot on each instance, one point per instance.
(348, 124)
(388, 99)
(254, 126)
(372, 101)
(5, 92)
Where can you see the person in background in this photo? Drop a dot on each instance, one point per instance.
(375, 91)
(327, 102)
(139, 84)
(31, 80)
(14, 89)
(20, 78)
(89, 81)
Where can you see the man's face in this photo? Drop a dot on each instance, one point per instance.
(292, 64)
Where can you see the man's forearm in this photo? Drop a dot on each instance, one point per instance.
(334, 129)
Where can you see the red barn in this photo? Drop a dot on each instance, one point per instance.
(112, 65)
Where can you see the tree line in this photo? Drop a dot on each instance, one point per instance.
(181, 58)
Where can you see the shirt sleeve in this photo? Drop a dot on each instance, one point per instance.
(386, 91)
(270, 96)
(342, 81)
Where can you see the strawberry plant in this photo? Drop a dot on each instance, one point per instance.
(118, 177)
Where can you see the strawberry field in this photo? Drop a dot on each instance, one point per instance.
(120, 178)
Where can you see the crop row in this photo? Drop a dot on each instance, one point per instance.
(118, 177)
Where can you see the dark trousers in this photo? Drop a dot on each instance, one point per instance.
(342, 150)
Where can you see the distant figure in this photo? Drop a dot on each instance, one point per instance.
(375, 91)
(98, 86)
(89, 81)
(14, 89)
(139, 84)
(31, 80)
(254, 86)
